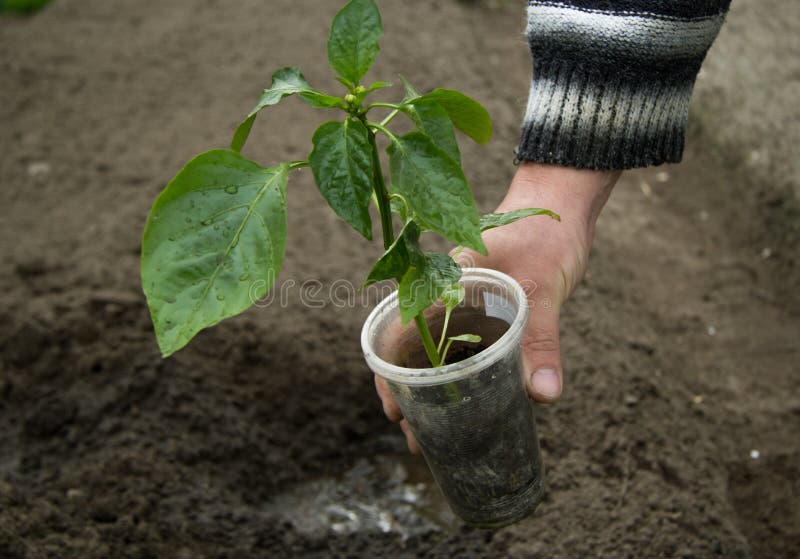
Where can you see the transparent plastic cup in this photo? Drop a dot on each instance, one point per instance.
(472, 418)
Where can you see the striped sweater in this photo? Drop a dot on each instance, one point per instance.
(612, 79)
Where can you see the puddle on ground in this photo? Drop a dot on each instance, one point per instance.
(385, 494)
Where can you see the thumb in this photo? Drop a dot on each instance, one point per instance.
(541, 353)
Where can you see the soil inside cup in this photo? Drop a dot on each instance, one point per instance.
(412, 354)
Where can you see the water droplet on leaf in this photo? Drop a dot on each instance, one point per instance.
(231, 189)
(220, 297)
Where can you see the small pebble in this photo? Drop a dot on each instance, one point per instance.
(703, 215)
(766, 253)
(712, 331)
(38, 168)
(647, 190)
(697, 399)
(754, 454)
(662, 176)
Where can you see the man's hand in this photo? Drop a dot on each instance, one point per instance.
(547, 257)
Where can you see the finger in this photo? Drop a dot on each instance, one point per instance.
(411, 440)
(390, 406)
(541, 351)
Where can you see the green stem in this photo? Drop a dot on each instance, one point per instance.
(385, 211)
(446, 349)
(298, 164)
(447, 313)
(389, 118)
(381, 193)
(383, 129)
(387, 105)
(427, 340)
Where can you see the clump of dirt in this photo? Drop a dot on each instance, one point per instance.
(677, 433)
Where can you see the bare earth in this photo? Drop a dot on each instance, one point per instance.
(678, 432)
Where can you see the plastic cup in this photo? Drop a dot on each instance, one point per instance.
(472, 418)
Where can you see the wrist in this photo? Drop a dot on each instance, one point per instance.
(575, 194)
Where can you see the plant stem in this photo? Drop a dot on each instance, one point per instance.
(385, 211)
(389, 118)
(427, 340)
(298, 164)
(387, 105)
(447, 313)
(381, 193)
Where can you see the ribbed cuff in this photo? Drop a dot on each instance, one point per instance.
(590, 118)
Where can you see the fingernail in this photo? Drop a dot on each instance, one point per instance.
(546, 383)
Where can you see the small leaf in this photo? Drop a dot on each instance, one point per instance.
(219, 223)
(395, 261)
(411, 91)
(378, 85)
(342, 165)
(490, 221)
(423, 284)
(469, 338)
(467, 115)
(453, 295)
(434, 121)
(286, 81)
(353, 42)
(435, 189)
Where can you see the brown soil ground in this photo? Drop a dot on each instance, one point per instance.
(681, 347)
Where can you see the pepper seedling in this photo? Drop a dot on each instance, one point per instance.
(214, 239)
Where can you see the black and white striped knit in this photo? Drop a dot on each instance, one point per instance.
(612, 79)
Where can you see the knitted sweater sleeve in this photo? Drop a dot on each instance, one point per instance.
(612, 79)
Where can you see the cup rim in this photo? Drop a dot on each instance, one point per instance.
(452, 371)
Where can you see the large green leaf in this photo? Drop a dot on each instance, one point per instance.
(342, 165)
(431, 119)
(213, 243)
(435, 188)
(422, 285)
(353, 42)
(395, 261)
(286, 81)
(434, 121)
(467, 115)
(490, 221)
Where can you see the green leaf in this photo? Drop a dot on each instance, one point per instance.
(469, 338)
(342, 165)
(286, 81)
(435, 189)
(467, 115)
(353, 42)
(423, 284)
(213, 243)
(378, 85)
(490, 221)
(434, 121)
(453, 295)
(395, 261)
(411, 91)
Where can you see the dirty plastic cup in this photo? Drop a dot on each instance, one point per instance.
(472, 418)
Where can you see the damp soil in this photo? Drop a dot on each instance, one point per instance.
(677, 432)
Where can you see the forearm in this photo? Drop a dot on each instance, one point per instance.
(612, 79)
